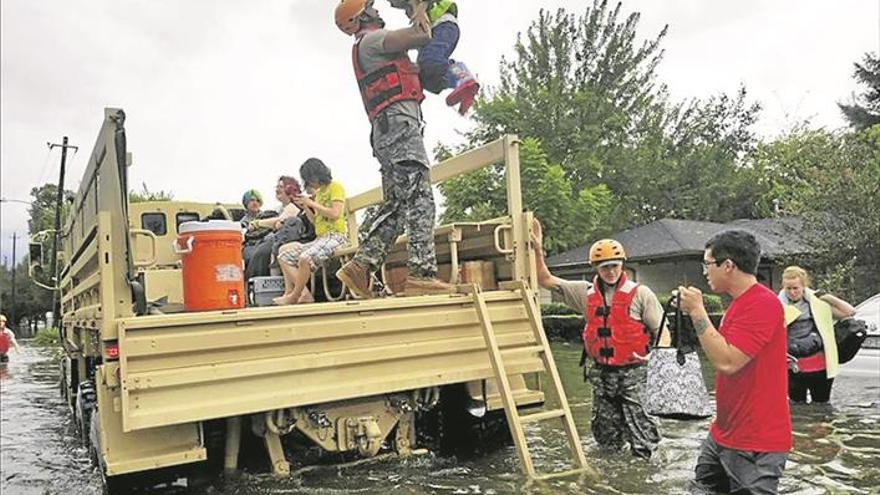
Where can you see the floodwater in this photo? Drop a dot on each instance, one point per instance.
(836, 449)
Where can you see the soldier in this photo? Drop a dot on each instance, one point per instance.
(621, 318)
(392, 94)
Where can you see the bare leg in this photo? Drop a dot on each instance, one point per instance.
(301, 277)
(298, 277)
(288, 272)
(288, 282)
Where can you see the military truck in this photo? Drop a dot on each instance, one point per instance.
(156, 391)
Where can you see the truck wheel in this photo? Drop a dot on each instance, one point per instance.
(110, 485)
(86, 400)
(63, 382)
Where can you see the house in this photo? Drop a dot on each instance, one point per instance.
(668, 253)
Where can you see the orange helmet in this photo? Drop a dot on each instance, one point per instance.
(348, 14)
(606, 250)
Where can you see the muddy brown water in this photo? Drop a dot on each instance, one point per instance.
(836, 449)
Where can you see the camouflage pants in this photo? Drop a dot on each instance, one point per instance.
(409, 200)
(618, 415)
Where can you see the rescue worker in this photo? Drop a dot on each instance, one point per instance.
(392, 95)
(7, 339)
(437, 71)
(621, 319)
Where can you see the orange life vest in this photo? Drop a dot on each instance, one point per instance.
(396, 80)
(611, 335)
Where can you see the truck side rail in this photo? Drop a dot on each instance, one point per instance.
(192, 367)
(503, 151)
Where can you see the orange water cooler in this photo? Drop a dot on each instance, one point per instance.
(213, 270)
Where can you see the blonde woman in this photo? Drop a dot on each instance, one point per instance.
(809, 319)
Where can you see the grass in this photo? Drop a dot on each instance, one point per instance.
(47, 337)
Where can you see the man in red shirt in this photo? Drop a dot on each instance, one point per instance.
(748, 442)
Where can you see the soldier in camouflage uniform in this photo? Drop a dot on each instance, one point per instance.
(618, 384)
(392, 96)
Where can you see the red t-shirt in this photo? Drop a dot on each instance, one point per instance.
(752, 403)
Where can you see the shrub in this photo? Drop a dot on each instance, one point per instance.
(47, 337)
(563, 327)
(712, 302)
(554, 308)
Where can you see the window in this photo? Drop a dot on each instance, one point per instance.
(154, 222)
(186, 217)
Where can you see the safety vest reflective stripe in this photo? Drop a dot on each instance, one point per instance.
(440, 8)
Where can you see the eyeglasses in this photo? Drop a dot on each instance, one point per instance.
(707, 263)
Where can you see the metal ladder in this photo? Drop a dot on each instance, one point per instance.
(514, 419)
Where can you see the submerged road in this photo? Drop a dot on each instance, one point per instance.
(836, 449)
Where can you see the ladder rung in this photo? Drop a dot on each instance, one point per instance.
(571, 472)
(541, 416)
(532, 349)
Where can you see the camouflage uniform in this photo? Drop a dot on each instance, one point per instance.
(409, 200)
(618, 414)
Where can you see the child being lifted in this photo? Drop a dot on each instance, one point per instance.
(437, 71)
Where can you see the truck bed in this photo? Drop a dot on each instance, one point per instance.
(190, 367)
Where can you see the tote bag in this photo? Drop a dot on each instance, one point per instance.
(676, 388)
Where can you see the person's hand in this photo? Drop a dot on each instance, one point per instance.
(278, 224)
(537, 235)
(690, 300)
(420, 17)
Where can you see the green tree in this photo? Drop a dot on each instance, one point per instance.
(566, 213)
(585, 87)
(863, 111)
(31, 301)
(42, 210)
(576, 81)
(832, 180)
(147, 195)
(42, 218)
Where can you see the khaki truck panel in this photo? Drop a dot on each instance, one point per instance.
(183, 368)
(143, 449)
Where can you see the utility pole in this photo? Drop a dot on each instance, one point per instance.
(59, 207)
(12, 311)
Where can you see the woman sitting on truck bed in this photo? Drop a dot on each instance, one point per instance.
(324, 208)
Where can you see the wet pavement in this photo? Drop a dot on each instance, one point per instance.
(836, 449)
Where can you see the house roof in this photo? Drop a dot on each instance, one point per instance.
(670, 237)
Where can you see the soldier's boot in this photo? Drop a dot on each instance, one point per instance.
(426, 286)
(356, 278)
(465, 87)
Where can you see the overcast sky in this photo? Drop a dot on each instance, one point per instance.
(226, 95)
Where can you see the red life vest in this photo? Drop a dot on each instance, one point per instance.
(4, 342)
(397, 80)
(611, 335)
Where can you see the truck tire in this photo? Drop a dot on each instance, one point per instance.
(86, 402)
(110, 485)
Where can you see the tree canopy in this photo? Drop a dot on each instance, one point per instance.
(583, 89)
(863, 111)
(604, 148)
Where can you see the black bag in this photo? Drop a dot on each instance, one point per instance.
(849, 333)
